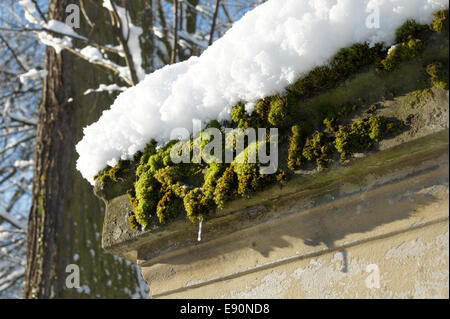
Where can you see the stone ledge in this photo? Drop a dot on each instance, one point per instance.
(350, 233)
(378, 169)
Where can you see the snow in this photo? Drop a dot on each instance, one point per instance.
(57, 43)
(61, 28)
(106, 88)
(32, 75)
(392, 48)
(47, 39)
(200, 224)
(268, 49)
(92, 53)
(23, 163)
(29, 10)
(131, 33)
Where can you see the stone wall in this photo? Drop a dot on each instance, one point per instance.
(374, 228)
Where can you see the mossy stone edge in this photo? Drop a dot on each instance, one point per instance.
(324, 186)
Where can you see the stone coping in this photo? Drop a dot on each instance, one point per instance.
(358, 176)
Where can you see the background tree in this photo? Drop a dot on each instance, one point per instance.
(84, 71)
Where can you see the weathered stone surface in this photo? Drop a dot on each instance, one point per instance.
(328, 246)
(380, 202)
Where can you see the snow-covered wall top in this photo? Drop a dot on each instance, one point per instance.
(268, 49)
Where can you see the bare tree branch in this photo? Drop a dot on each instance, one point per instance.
(213, 25)
(124, 43)
(173, 56)
(13, 221)
(13, 54)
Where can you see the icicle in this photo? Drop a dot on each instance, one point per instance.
(199, 238)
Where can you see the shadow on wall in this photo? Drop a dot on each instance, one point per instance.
(328, 222)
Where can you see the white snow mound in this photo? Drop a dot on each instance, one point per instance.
(268, 49)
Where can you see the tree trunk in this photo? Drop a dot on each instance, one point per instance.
(52, 171)
(66, 219)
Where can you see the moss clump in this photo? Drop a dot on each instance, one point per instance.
(418, 96)
(168, 175)
(439, 75)
(147, 197)
(318, 148)
(213, 173)
(122, 169)
(249, 179)
(296, 143)
(278, 111)
(103, 176)
(282, 176)
(134, 225)
(350, 60)
(243, 120)
(402, 52)
(440, 22)
(263, 110)
(361, 135)
(169, 207)
(346, 62)
(330, 121)
(194, 203)
(248, 176)
(142, 157)
(240, 117)
(409, 45)
(409, 29)
(226, 187)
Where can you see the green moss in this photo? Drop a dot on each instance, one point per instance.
(122, 169)
(213, 173)
(150, 150)
(147, 197)
(418, 96)
(168, 175)
(263, 110)
(296, 143)
(410, 29)
(103, 176)
(226, 187)
(240, 116)
(402, 52)
(278, 111)
(345, 63)
(247, 174)
(330, 121)
(439, 75)
(361, 135)
(133, 223)
(440, 22)
(350, 60)
(282, 176)
(318, 148)
(169, 207)
(194, 204)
